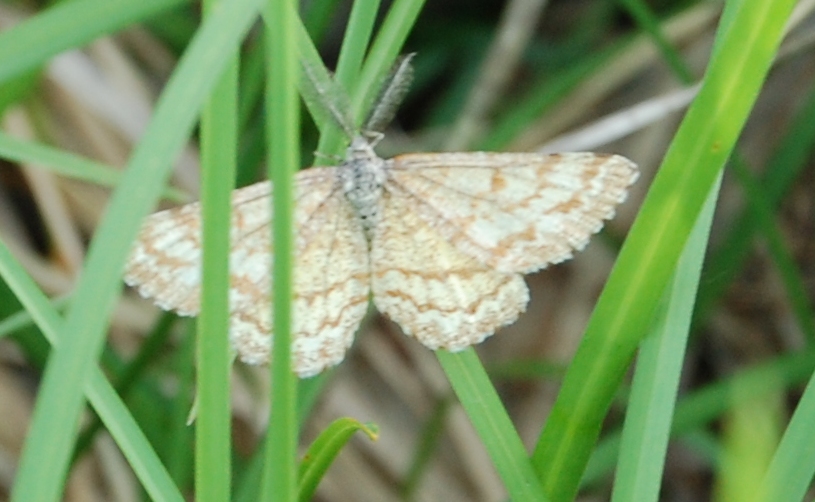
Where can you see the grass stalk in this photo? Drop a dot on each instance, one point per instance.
(283, 147)
(219, 140)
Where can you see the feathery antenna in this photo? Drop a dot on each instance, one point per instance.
(328, 102)
(394, 88)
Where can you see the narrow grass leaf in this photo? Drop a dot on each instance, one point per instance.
(23, 319)
(68, 164)
(251, 79)
(750, 432)
(490, 419)
(659, 367)
(283, 147)
(219, 145)
(175, 27)
(322, 452)
(317, 17)
(792, 468)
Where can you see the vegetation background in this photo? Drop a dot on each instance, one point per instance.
(518, 75)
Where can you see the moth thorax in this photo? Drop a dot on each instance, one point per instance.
(362, 176)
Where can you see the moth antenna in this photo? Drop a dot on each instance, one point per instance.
(393, 90)
(325, 99)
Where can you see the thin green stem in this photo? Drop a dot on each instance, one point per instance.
(219, 138)
(282, 105)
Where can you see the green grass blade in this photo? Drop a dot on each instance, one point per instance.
(49, 444)
(792, 467)
(659, 367)
(23, 319)
(69, 165)
(626, 307)
(484, 408)
(317, 17)
(355, 42)
(67, 25)
(750, 431)
(175, 27)
(219, 140)
(251, 80)
(124, 430)
(283, 147)
(325, 449)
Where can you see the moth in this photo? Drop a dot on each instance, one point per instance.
(438, 241)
